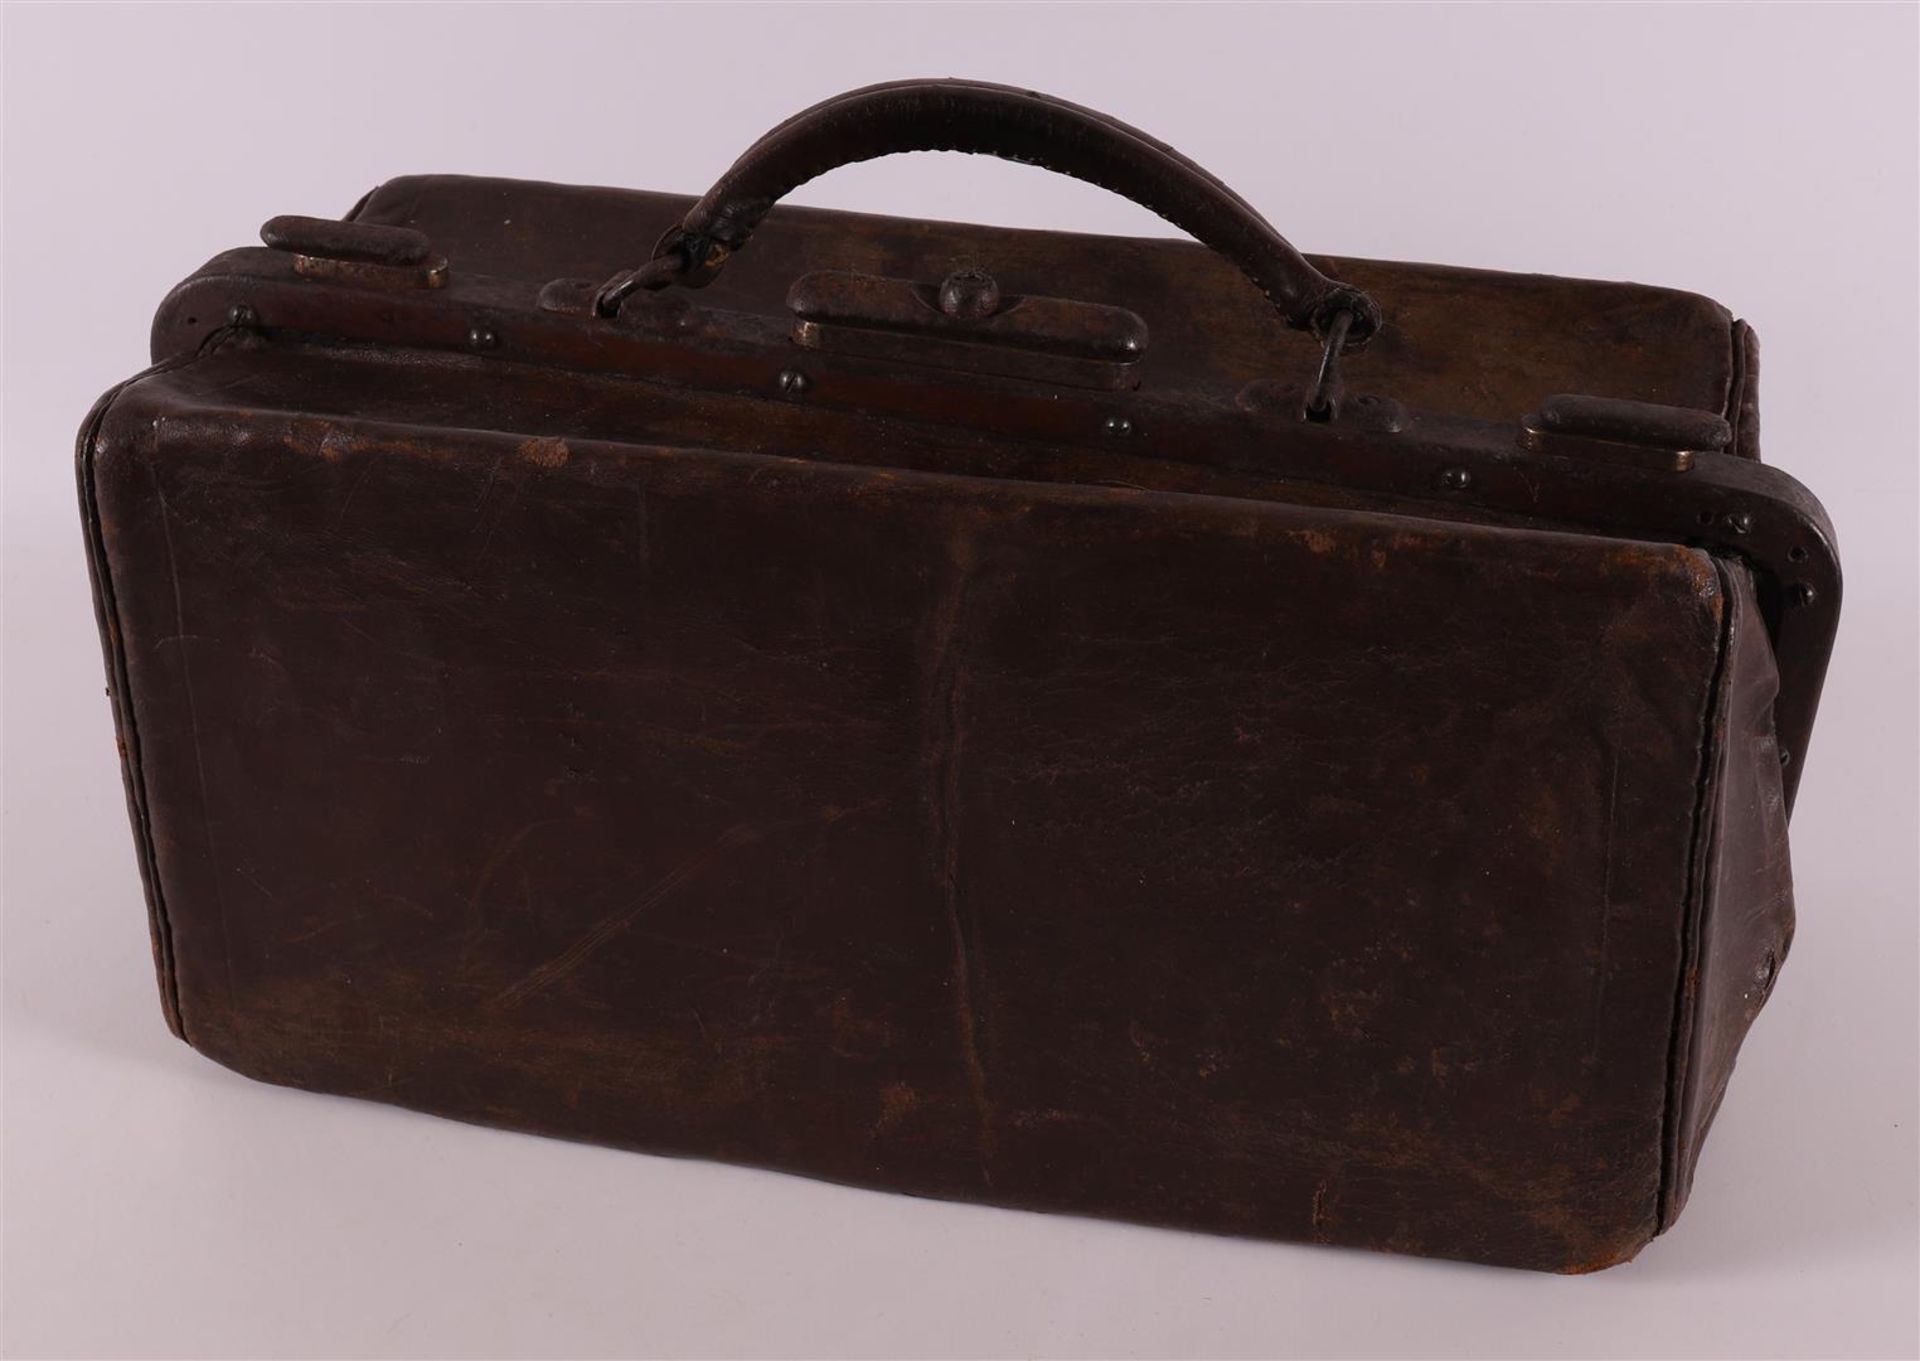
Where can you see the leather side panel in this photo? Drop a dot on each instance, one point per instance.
(1745, 925)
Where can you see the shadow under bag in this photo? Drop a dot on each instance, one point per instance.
(1171, 731)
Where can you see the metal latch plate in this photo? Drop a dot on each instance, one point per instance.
(966, 324)
(1633, 434)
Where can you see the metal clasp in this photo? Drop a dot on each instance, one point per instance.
(1633, 434)
(360, 254)
(1323, 398)
(967, 323)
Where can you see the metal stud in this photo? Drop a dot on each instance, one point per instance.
(1119, 426)
(481, 337)
(243, 316)
(1456, 479)
(792, 382)
(970, 293)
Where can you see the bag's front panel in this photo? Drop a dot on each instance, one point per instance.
(1327, 883)
(1225, 864)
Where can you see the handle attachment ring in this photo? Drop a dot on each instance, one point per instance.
(660, 272)
(1323, 400)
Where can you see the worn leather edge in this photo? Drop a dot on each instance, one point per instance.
(1743, 927)
(1713, 728)
(1743, 392)
(1740, 904)
(360, 205)
(119, 690)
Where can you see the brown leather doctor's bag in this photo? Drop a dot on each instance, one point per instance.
(1175, 730)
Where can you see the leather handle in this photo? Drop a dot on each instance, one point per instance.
(1016, 125)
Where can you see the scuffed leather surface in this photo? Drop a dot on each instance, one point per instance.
(1286, 870)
